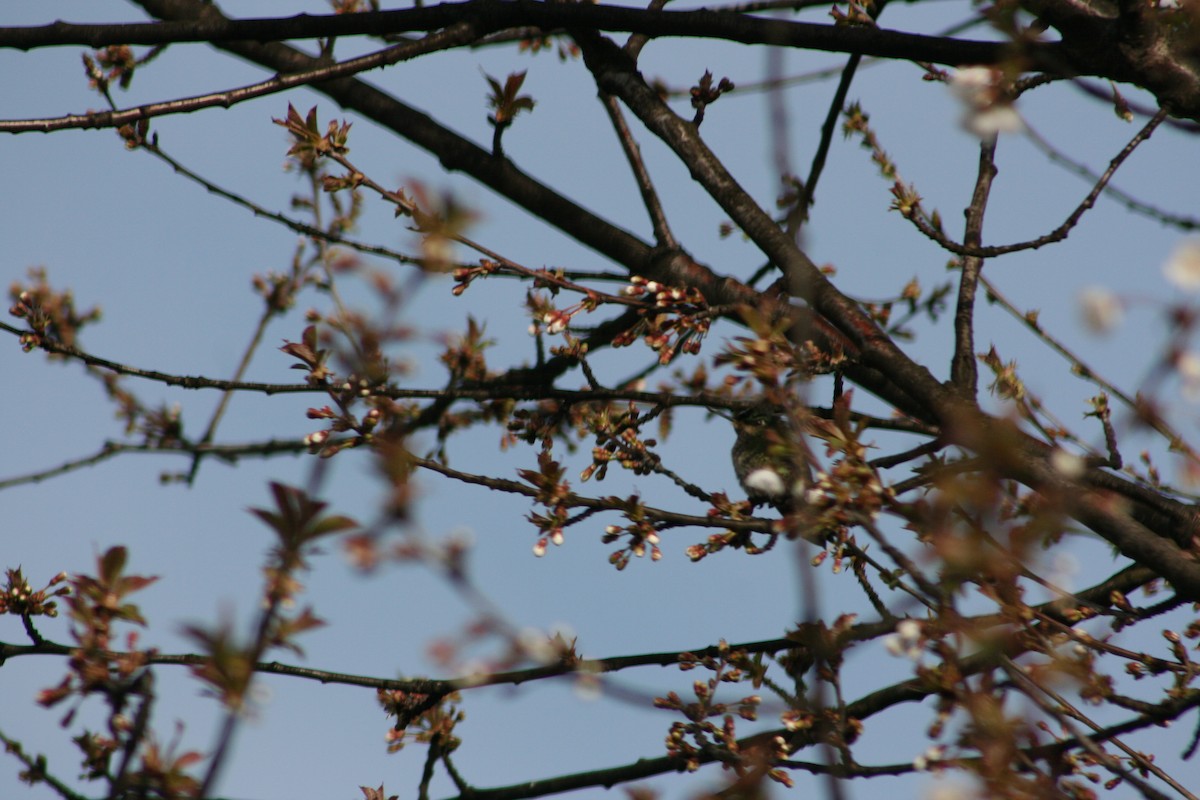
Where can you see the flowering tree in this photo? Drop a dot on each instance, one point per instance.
(851, 413)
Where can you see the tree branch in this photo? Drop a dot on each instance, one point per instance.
(494, 15)
(962, 367)
(455, 36)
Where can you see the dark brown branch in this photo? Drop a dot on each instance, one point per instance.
(515, 384)
(495, 16)
(616, 504)
(611, 776)
(1123, 582)
(183, 381)
(808, 192)
(1105, 94)
(1146, 413)
(1182, 221)
(444, 686)
(1092, 44)
(963, 373)
(226, 452)
(1062, 231)
(616, 74)
(36, 766)
(633, 154)
(452, 37)
(453, 151)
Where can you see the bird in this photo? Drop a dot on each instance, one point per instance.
(765, 457)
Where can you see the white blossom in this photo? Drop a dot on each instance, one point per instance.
(906, 641)
(988, 111)
(1183, 267)
(987, 122)
(537, 646)
(1187, 364)
(969, 83)
(588, 687)
(1063, 569)
(932, 753)
(956, 790)
(1101, 309)
(1069, 465)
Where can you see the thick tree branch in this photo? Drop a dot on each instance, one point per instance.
(496, 15)
(1148, 45)
(616, 74)
(1016, 455)
(453, 151)
(1144, 48)
(458, 154)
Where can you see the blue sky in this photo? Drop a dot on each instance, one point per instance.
(171, 267)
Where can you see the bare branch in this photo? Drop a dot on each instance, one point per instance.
(492, 16)
(456, 36)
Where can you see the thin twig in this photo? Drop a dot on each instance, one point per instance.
(282, 219)
(227, 395)
(1034, 689)
(919, 220)
(633, 154)
(963, 373)
(1130, 202)
(183, 381)
(808, 191)
(1145, 412)
(454, 36)
(37, 766)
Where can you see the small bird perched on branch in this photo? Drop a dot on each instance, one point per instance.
(765, 458)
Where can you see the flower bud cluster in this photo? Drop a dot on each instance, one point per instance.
(677, 322)
(617, 440)
(23, 307)
(715, 543)
(420, 717)
(770, 360)
(553, 320)
(554, 493)
(711, 725)
(849, 490)
(663, 295)
(18, 597)
(556, 321)
(279, 291)
(50, 314)
(463, 276)
(343, 421)
(641, 534)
